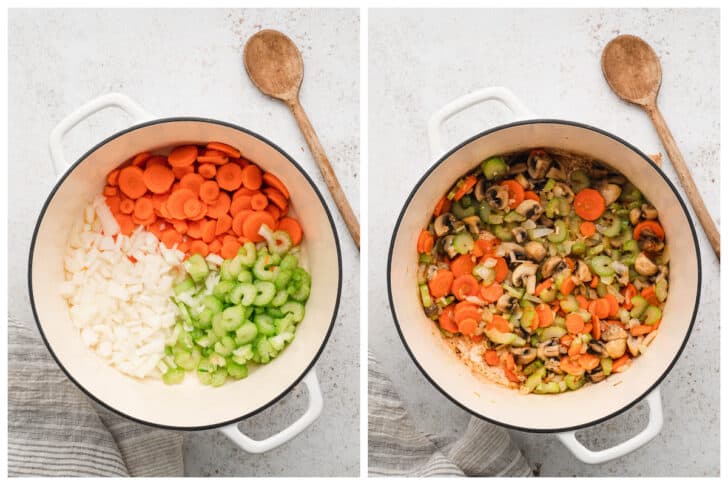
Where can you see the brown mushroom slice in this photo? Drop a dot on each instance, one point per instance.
(538, 164)
(506, 303)
(530, 209)
(524, 355)
(552, 265)
(616, 348)
(497, 196)
(610, 192)
(535, 251)
(582, 271)
(644, 265)
(522, 271)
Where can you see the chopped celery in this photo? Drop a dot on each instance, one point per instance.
(196, 267)
(639, 305)
(463, 243)
(173, 376)
(494, 167)
(425, 296)
(652, 315)
(184, 286)
(602, 265)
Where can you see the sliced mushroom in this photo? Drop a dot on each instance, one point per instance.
(538, 164)
(473, 224)
(523, 270)
(511, 251)
(616, 348)
(519, 234)
(535, 251)
(506, 303)
(522, 181)
(644, 265)
(649, 212)
(553, 365)
(582, 271)
(549, 348)
(614, 332)
(546, 221)
(552, 265)
(634, 216)
(530, 284)
(597, 374)
(432, 311)
(597, 349)
(662, 273)
(444, 223)
(633, 345)
(563, 190)
(610, 192)
(649, 241)
(497, 196)
(449, 247)
(530, 209)
(622, 272)
(480, 189)
(524, 355)
(517, 168)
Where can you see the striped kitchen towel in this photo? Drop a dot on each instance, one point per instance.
(55, 430)
(396, 447)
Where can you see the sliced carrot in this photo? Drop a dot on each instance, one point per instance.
(229, 249)
(638, 330)
(570, 263)
(651, 226)
(574, 323)
(570, 366)
(544, 285)
(545, 315)
(464, 286)
(238, 221)
(466, 186)
(181, 227)
(487, 245)
(192, 181)
(194, 229)
(621, 362)
(254, 221)
(243, 191)
(195, 209)
(140, 158)
(156, 160)
(491, 357)
(596, 328)
(199, 247)
(229, 176)
(180, 172)
(113, 203)
(566, 340)
(215, 246)
(491, 293)
(588, 361)
(151, 219)
(143, 208)
(465, 308)
(113, 177)
(208, 230)
(531, 195)
(241, 203)
(207, 170)
(594, 282)
(650, 295)
(224, 148)
(209, 191)
(224, 223)
(177, 200)
(110, 191)
(467, 326)
(170, 237)
(219, 207)
(440, 207)
(440, 283)
(583, 303)
(601, 308)
(587, 228)
(499, 323)
(501, 267)
(274, 182)
(293, 228)
(425, 242)
(629, 292)
(126, 225)
(446, 320)
(613, 304)
(511, 376)
(274, 211)
(589, 204)
(567, 286)
(213, 156)
(516, 194)
(276, 197)
(251, 177)
(462, 265)
(126, 206)
(131, 182)
(183, 156)
(258, 202)
(158, 178)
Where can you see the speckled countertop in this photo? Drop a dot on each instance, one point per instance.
(420, 60)
(188, 62)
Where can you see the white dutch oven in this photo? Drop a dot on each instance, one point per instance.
(188, 406)
(563, 413)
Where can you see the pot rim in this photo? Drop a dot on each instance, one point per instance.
(145, 124)
(576, 124)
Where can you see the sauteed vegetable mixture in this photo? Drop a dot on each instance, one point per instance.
(544, 270)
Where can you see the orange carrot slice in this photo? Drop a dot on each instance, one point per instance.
(219, 207)
(252, 177)
(113, 177)
(209, 191)
(222, 147)
(208, 230)
(224, 223)
(158, 178)
(143, 208)
(207, 170)
(274, 182)
(293, 228)
(183, 156)
(229, 176)
(191, 181)
(131, 182)
(213, 156)
(258, 202)
(589, 204)
(177, 200)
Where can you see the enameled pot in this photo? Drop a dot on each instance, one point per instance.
(190, 405)
(567, 412)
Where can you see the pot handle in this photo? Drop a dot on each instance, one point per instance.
(110, 100)
(653, 428)
(495, 93)
(315, 405)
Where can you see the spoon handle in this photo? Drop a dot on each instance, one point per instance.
(681, 168)
(327, 171)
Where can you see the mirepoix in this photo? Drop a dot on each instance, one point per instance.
(551, 264)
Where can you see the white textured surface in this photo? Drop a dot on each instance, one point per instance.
(188, 62)
(420, 60)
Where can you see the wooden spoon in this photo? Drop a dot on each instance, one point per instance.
(275, 66)
(633, 71)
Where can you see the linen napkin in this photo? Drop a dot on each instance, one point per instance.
(397, 447)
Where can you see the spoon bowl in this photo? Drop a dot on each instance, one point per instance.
(274, 64)
(632, 69)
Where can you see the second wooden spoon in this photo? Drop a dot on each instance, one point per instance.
(275, 66)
